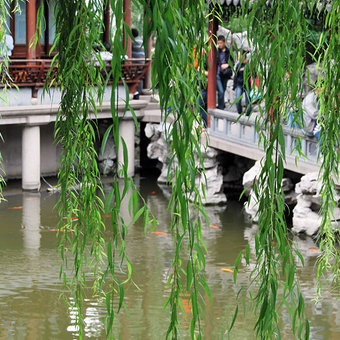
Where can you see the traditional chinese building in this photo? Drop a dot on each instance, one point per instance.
(28, 116)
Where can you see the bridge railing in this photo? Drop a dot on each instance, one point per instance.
(229, 126)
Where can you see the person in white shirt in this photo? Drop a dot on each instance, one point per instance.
(6, 44)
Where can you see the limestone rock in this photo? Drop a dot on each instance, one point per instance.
(308, 185)
(291, 198)
(227, 34)
(159, 149)
(287, 184)
(214, 189)
(209, 156)
(306, 217)
(106, 167)
(250, 175)
(153, 131)
(229, 94)
(241, 40)
(106, 159)
(306, 221)
(251, 207)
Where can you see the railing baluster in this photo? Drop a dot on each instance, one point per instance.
(237, 133)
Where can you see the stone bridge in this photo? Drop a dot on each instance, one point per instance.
(238, 135)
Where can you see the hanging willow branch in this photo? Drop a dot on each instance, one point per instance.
(329, 119)
(180, 29)
(278, 33)
(275, 42)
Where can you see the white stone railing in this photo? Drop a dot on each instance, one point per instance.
(240, 137)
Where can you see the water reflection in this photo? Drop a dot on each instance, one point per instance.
(31, 220)
(30, 307)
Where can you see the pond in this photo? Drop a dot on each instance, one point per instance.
(30, 303)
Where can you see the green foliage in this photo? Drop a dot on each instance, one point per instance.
(278, 31)
(81, 207)
(137, 15)
(236, 24)
(328, 262)
(176, 80)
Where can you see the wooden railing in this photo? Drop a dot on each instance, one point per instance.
(27, 72)
(34, 72)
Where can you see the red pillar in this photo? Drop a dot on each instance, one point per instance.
(107, 25)
(127, 19)
(148, 83)
(31, 19)
(211, 103)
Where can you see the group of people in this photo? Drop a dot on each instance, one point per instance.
(226, 68)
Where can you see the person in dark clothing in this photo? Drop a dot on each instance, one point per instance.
(224, 71)
(138, 53)
(242, 85)
(137, 45)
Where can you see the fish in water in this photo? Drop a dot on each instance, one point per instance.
(15, 208)
(227, 270)
(313, 250)
(214, 227)
(61, 230)
(159, 233)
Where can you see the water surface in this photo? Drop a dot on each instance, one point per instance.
(30, 307)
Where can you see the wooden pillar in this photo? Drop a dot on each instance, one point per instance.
(31, 20)
(211, 102)
(127, 19)
(47, 28)
(148, 82)
(107, 24)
